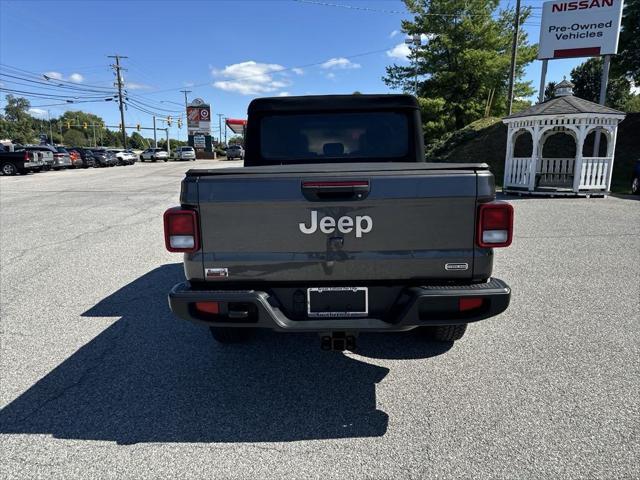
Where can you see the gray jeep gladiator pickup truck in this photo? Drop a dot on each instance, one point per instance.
(337, 225)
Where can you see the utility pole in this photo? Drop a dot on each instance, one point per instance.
(166, 130)
(220, 115)
(50, 127)
(155, 141)
(186, 105)
(186, 102)
(118, 69)
(225, 130)
(514, 53)
(94, 134)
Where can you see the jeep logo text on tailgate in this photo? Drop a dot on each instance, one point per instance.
(361, 224)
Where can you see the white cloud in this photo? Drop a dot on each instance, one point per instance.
(76, 77)
(136, 86)
(54, 75)
(38, 112)
(284, 94)
(331, 75)
(188, 84)
(394, 33)
(401, 51)
(250, 78)
(340, 62)
(297, 71)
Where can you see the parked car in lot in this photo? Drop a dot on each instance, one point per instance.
(23, 161)
(184, 153)
(76, 159)
(104, 158)
(154, 154)
(45, 152)
(61, 159)
(235, 151)
(635, 182)
(124, 157)
(88, 160)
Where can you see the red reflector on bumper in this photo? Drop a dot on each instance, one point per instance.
(470, 303)
(208, 307)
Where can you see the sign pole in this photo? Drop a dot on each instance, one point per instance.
(543, 77)
(603, 97)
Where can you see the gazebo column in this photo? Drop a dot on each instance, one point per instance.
(508, 158)
(611, 145)
(577, 167)
(535, 140)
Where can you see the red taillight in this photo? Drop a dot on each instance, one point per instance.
(208, 307)
(181, 230)
(469, 303)
(26, 156)
(495, 225)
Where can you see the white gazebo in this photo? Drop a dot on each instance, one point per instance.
(582, 174)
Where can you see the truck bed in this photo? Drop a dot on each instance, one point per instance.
(412, 223)
(337, 168)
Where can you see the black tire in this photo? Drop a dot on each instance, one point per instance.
(153, 160)
(166, 159)
(8, 169)
(635, 186)
(228, 335)
(448, 333)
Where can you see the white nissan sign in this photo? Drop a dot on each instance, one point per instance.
(583, 28)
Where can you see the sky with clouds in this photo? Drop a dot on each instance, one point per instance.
(226, 52)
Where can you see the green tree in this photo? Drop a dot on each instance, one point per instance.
(550, 91)
(74, 138)
(627, 62)
(16, 124)
(137, 141)
(464, 65)
(587, 79)
(236, 140)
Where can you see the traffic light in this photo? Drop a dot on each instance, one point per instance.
(85, 125)
(119, 126)
(138, 127)
(179, 123)
(68, 124)
(169, 120)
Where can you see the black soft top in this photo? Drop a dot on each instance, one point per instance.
(317, 103)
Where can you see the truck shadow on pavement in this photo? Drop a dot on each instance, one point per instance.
(152, 378)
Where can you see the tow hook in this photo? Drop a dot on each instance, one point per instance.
(338, 342)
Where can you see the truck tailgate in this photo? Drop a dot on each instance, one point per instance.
(302, 225)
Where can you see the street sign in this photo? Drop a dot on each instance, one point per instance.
(199, 141)
(584, 28)
(199, 117)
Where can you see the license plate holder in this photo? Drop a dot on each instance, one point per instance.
(337, 302)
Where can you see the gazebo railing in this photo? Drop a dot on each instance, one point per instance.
(555, 172)
(517, 173)
(595, 172)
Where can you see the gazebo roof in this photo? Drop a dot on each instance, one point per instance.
(565, 105)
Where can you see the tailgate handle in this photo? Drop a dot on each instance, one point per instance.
(316, 191)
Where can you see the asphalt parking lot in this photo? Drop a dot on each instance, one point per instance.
(98, 380)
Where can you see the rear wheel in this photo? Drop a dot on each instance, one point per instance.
(8, 168)
(448, 333)
(230, 335)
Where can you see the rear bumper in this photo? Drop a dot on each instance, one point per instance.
(420, 306)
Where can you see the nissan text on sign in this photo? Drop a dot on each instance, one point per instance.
(584, 28)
